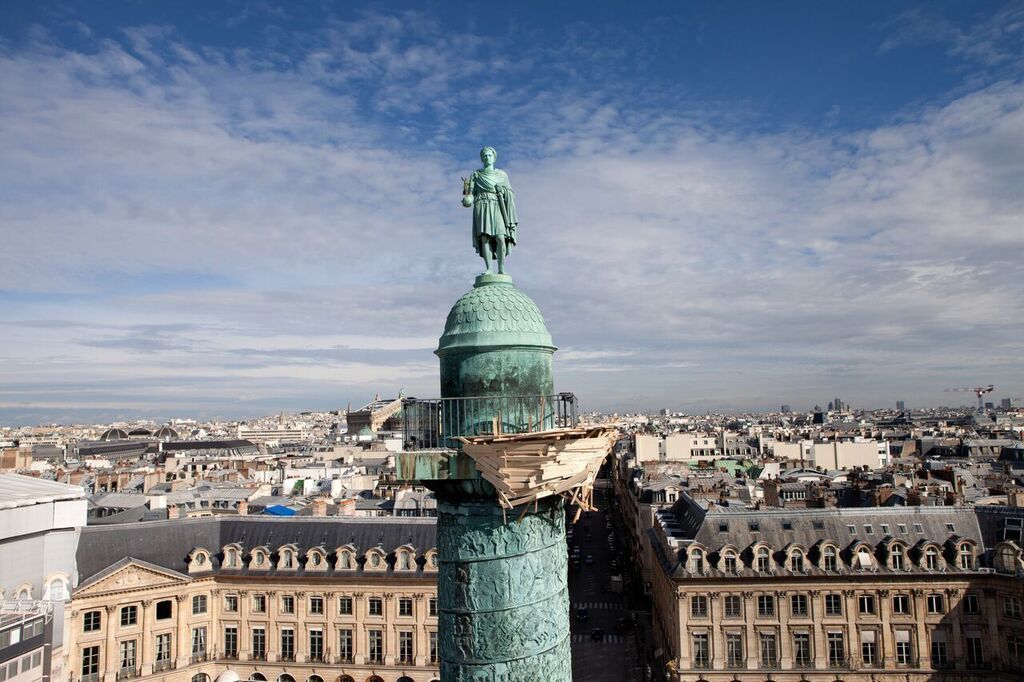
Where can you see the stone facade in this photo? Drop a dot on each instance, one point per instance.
(334, 611)
(883, 595)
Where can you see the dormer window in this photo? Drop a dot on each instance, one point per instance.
(697, 561)
(896, 557)
(344, 560)
(259, 559)
(432, 560)
(796, 562)
(374, 560)
(286, 559)
(931, 559)
(729, 563)
(965, 557)
(763, 559)
(403, 561)
(830, 558)
(231, 558)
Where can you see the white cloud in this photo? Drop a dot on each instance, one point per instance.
(266, 214)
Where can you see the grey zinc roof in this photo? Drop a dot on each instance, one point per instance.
(168, 543)
(834, 523)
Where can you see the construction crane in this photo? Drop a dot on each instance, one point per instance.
(979, 391)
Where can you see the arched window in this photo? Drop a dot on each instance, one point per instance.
(405, 679)
(830, 558)
(966, 556)
(24, 593)
(374, 678)
(729, 562)
(432, 560)
(200, 677)
(697, 561)
(346, 678)
(1006, 559)
(344, 562)
(231, 560)
(896, 556)
(314, 678)
(56, 590)
(374, 559)
(315, 559)
(285, 677)
(763, 559)
(404, 561)
(864, 557)
(259, 676)
(286, 559)
(931, 559)
(796, 561)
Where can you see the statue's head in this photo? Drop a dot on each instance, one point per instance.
(488, 150)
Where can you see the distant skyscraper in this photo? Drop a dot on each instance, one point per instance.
(1006, 403)
(900, 405)
(786, 409)
(989, 406)
(665, 412)
(831, 405)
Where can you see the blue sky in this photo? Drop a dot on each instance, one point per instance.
(250, 207)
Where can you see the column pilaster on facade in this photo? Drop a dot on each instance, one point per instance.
(180, 639)
(887, 645)
(818, 629)
(785, 636)
(419, 636)
(301, 637)
(360, 641)
(750, 632)
(110, 649)
(717, 634)
(144, 657)
(996, 645)
(850, 611)
(216, 614)
(273, 633)
(684, 637)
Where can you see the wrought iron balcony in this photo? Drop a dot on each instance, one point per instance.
(199, 657)
(127, 673)
(160, 666)
(436, 423)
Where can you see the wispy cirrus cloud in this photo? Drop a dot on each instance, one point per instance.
(263, 229)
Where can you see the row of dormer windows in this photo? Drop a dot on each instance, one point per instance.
(895, 556)
(316, 559)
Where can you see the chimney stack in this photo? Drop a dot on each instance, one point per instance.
(320, 506)
(173, 512)
(243, 508)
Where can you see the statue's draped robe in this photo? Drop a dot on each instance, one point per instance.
(487, 212)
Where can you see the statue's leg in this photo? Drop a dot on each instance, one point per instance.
(485, 242)
(499, 246)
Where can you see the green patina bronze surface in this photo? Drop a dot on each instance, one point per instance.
(488, 193)
(502, 587)
(502, 592)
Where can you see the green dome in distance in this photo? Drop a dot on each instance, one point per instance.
(494, 313)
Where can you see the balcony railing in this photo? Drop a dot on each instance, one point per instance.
(315, 658)
(259, 656)
(166, 664)
(287, 657)
(199, 657)
(342, 659)
(127, 673)
(90, 677)
(436, 423)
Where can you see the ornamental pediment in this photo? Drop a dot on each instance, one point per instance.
(131, 575)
